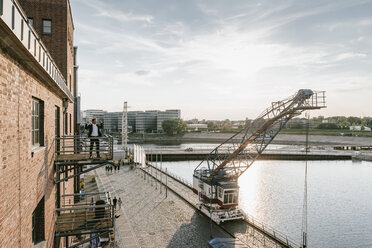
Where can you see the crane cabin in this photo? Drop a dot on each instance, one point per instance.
(224, 193)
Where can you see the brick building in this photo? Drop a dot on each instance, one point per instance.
(37, 95)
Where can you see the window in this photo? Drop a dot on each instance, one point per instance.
(22, 29)
(66, 121)
(230, 197)
(1, 7)
(29, 40)
(47, 26)
(31, 21)
(70, 81)
(37, 122)
(13, 16)
(38, 224)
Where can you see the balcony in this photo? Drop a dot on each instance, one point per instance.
(78, 148)
(84, 216)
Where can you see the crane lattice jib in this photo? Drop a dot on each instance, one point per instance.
(233, 157)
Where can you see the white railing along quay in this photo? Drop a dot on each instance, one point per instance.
(267, 152)
(14, 17)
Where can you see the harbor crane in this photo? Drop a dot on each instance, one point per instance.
(215, 179)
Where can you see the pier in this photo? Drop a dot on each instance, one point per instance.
(273, 154)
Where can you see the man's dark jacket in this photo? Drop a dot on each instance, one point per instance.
(90, 129)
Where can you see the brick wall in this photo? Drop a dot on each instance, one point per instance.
(25, 178)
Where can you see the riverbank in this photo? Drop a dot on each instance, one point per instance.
(285, 139)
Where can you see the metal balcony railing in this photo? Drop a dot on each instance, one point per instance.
(84, 219)
(76, 148)
(84, 199)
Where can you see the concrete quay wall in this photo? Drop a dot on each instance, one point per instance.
(274, 154)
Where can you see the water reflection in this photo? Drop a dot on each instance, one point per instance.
(339, 203)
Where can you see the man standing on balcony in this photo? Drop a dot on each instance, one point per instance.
(94, 132)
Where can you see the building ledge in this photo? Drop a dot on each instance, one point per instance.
(20, 40)
(36, 149)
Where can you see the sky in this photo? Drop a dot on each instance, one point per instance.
(223, 59)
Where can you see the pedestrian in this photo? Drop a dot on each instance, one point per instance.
(119, 167)
(114, 201)
(93, 203)
(94, 132)
(111, 168)
(115, 167)
(120, 202)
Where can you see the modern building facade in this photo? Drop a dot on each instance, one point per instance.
(36, 105)
(149, 121)
(88, 115)
(112, 121)
(166, 115)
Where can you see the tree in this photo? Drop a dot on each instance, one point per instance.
(342, 122)
(327, 126)
(211, 125)
(174, 126)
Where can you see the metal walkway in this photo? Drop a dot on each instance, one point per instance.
(75, 214)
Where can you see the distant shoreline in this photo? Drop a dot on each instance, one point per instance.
(285, 139)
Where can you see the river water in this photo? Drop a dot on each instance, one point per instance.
(339, 198)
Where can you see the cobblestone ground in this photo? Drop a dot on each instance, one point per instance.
(155, 220)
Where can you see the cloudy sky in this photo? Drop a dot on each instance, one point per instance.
(218, 59)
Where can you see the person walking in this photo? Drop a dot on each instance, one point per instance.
(114, 201)
(94, 132)
(120, 202)
(92, 203)
(111, 168)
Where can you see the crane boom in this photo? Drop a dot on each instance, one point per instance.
(215, 178)
(230, 162)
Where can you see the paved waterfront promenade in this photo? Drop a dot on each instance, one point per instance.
(150, 219)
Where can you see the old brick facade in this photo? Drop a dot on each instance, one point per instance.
(27, 172)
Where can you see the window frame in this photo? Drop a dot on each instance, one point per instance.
(38, 222)
(44, 26)
(37, 122)
(65, 131)
(1, 7)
